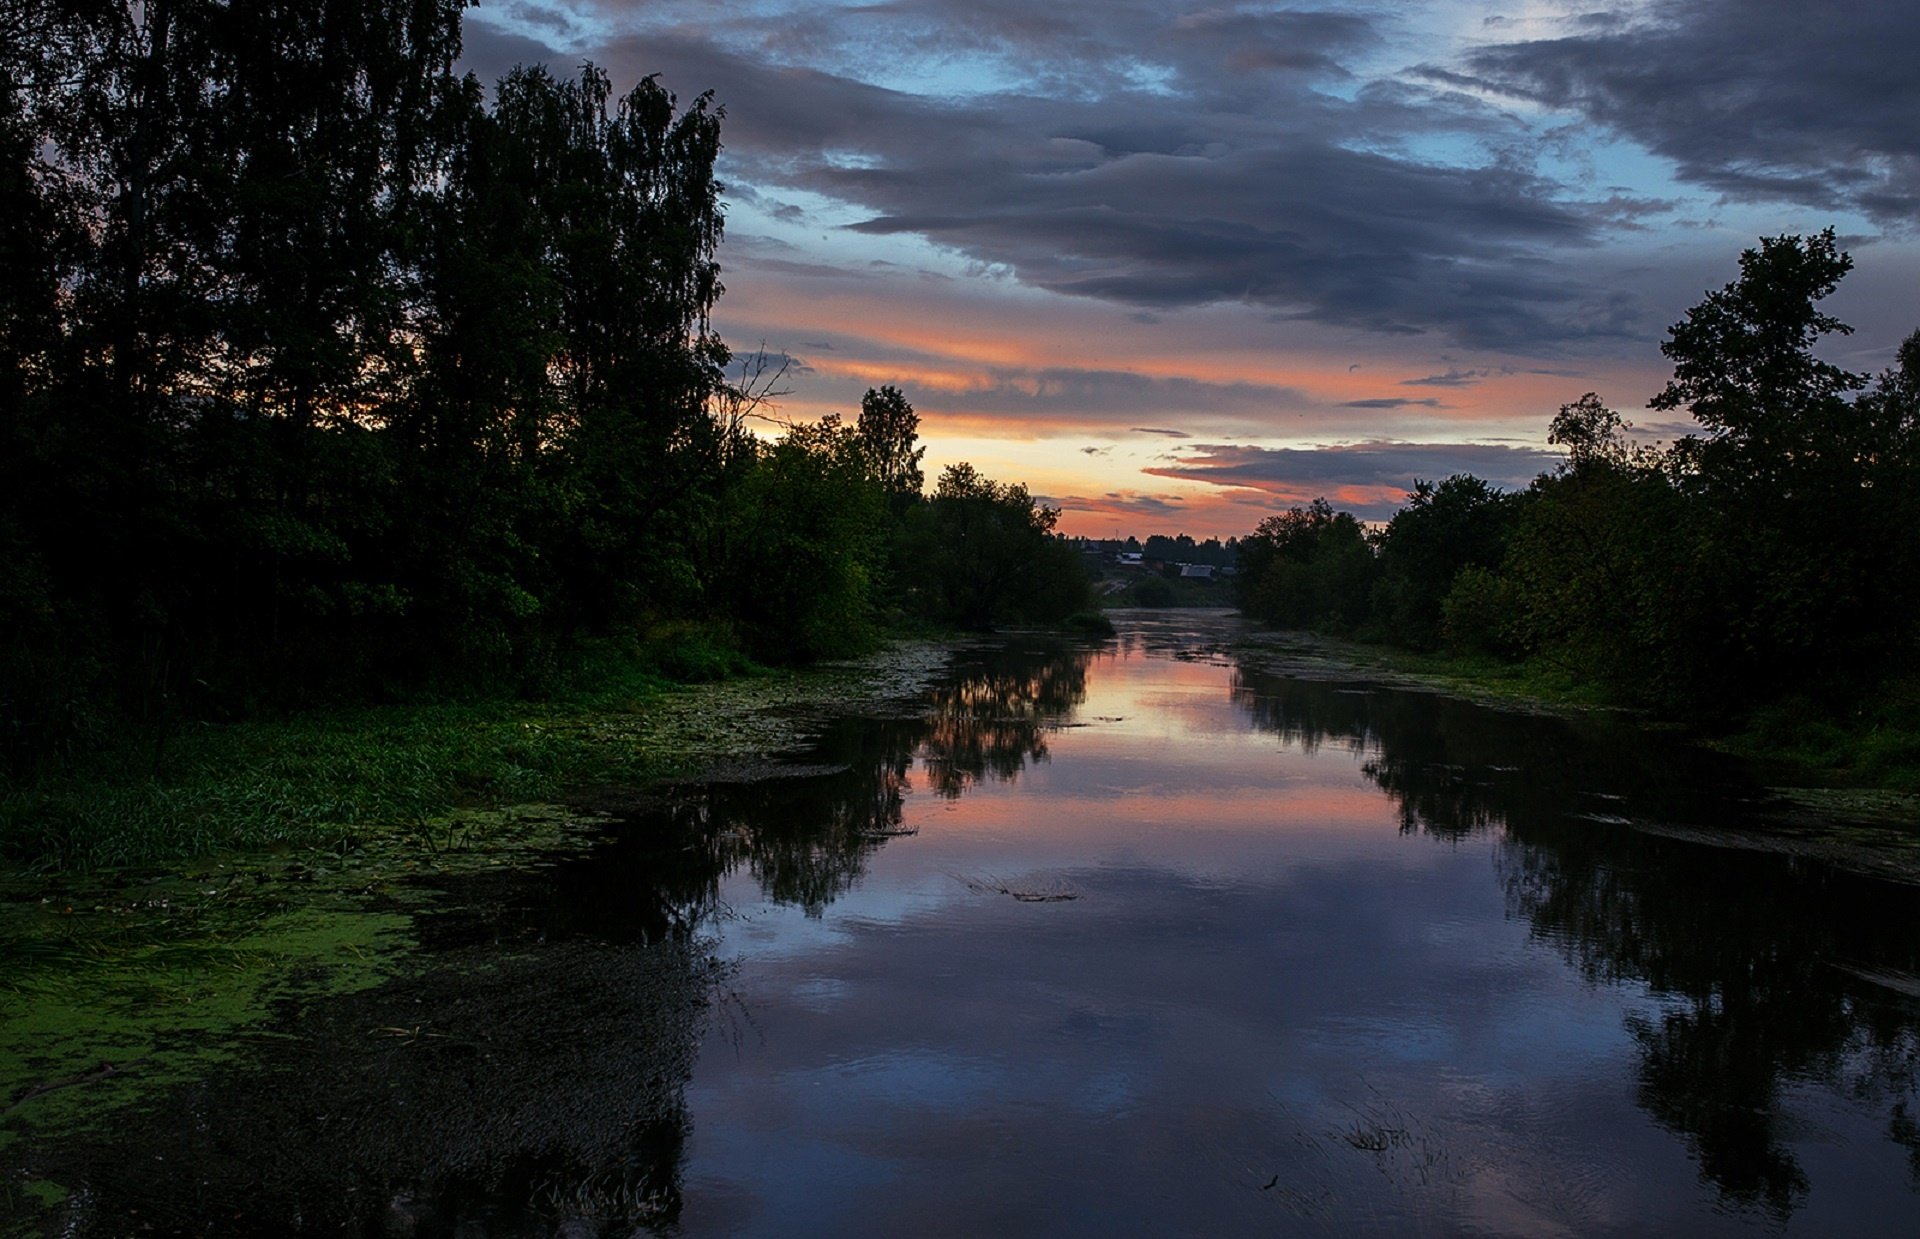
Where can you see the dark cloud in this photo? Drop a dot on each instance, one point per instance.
(1391, 402)
(1757, 99)
(1295, 224)
(1161, 430)
(758, 364)
(559, 22)
(1225, 176)
(1452, 378)
(1066, 390)
(1301, 473)
(489, 53)
(1163, 157)
(1119, 503)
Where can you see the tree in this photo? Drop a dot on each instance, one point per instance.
(1603, 575)
(324, 375)
(1744, 366)
(806, 544)
(1460, 523)
(1797, 539)
(1593, 434)
(888, 431)
(984, 553)
(1307, 567)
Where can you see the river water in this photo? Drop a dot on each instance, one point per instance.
(1140, 938)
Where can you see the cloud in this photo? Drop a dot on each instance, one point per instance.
(759, 364)
(1452, 378)
(1107, 395)
(1158, 430)
(1121, 505)
(1150, 158)
(1390, 402)
(1756, 99)
(1371, 479)
(1292, 223)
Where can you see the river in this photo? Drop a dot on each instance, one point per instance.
(1141, 937)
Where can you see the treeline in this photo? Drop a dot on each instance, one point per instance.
(324, 376)
(1772, 556)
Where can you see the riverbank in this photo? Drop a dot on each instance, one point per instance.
(1848, 797)
(152, 925)
(1877, 755)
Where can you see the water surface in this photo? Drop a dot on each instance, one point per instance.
(1179, 948)
(1124, 938)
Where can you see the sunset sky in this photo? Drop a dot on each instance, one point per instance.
(1178, 267)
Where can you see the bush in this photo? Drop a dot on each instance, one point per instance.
(1154, 591)
(1480, 614)
(1093, 623)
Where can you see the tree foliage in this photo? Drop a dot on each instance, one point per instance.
(807, 544)
(984, 554)
(1307, 567)
(1771, 556)
(1460, 523)
(889, 434)
(1744, 366)
(325, 374)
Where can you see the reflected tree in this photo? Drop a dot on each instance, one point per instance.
(1765, 972)
(992, 721)
(805, 831)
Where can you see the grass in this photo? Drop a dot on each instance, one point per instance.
(1089, 624)
(1877, 747)
(1536, 682)
(308, 781)
(326, 777)
(339, 778)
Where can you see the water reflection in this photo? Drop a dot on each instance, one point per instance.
(993, 717)
(1768, 973)
(805, 831)
(510, 1092)
(533, 1077)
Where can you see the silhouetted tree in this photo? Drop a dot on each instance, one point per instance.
(889, 437)
(984, 554)
(1307, 567)
(1460, 523)
(1744, 367)
(806, 546)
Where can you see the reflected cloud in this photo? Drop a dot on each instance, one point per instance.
(1757, 964)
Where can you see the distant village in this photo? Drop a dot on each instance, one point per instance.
(1160, 571)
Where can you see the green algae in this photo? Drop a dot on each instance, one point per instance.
(126, 984)
(126, 980)
(345, 776)
(32, 1197)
